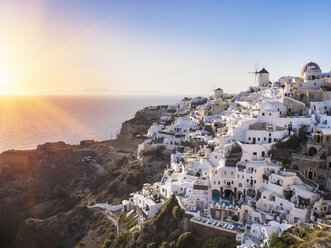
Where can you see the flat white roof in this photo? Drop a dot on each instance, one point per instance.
(303, 191)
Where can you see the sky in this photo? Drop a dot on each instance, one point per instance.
(169, 47)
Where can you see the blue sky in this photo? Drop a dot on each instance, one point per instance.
(166, 47)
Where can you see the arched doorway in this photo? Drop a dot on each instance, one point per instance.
(227, 194)
(312, 151)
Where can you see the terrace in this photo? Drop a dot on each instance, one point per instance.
(220, 225)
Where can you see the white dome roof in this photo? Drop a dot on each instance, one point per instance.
(310, 67)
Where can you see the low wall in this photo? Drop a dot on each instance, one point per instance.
(206, 232)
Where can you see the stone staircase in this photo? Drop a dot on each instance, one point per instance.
(234, 156)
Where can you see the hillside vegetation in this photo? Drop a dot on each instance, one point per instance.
(168, 229)
(303, 236)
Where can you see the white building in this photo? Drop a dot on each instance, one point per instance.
(146, 201)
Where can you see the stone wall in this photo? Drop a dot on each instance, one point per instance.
(206, 232)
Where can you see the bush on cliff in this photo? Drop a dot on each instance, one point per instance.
(177, 213)
(163, 226)
(185, 240)
(294, 140)
(123, 240)
(60, 192)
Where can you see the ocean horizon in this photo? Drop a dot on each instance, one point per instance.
(27, 121)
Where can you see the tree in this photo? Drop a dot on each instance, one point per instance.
(235, 218)
(176, 213)
(185, 240)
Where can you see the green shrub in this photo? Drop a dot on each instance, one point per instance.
(165, 245)
(293, 142)
(185, 240)
(174, 235)
(122, 161)
(107, 243)
(152, 245)
(111, 236)
(135, 234)
(123, 240)
(177, 213)
(235, 218)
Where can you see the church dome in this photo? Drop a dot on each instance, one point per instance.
(310, 67)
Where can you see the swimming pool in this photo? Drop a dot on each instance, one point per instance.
(221, 202)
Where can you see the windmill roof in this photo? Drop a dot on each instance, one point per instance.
(263, 71)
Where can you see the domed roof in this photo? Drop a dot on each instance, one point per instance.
(311, 66)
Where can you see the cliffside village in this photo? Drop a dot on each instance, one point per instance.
(222, 172)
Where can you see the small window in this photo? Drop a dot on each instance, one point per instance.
(269, 134)
(270, 114)
(262, 114)
(240, 185)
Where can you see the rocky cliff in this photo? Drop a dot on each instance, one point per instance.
(45, 193)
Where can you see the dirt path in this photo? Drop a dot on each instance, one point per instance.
(109, 215)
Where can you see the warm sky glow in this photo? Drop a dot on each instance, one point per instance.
(156, 47)
(39, 118)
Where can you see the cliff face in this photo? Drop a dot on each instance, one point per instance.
(29, 179)
(133, 130)
(45, 193)
(78, 226)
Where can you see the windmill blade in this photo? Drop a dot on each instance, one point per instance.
(256, 65)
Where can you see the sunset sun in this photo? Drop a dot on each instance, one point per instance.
(5, 81)
(6, 85)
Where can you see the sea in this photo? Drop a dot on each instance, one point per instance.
(26, 121)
